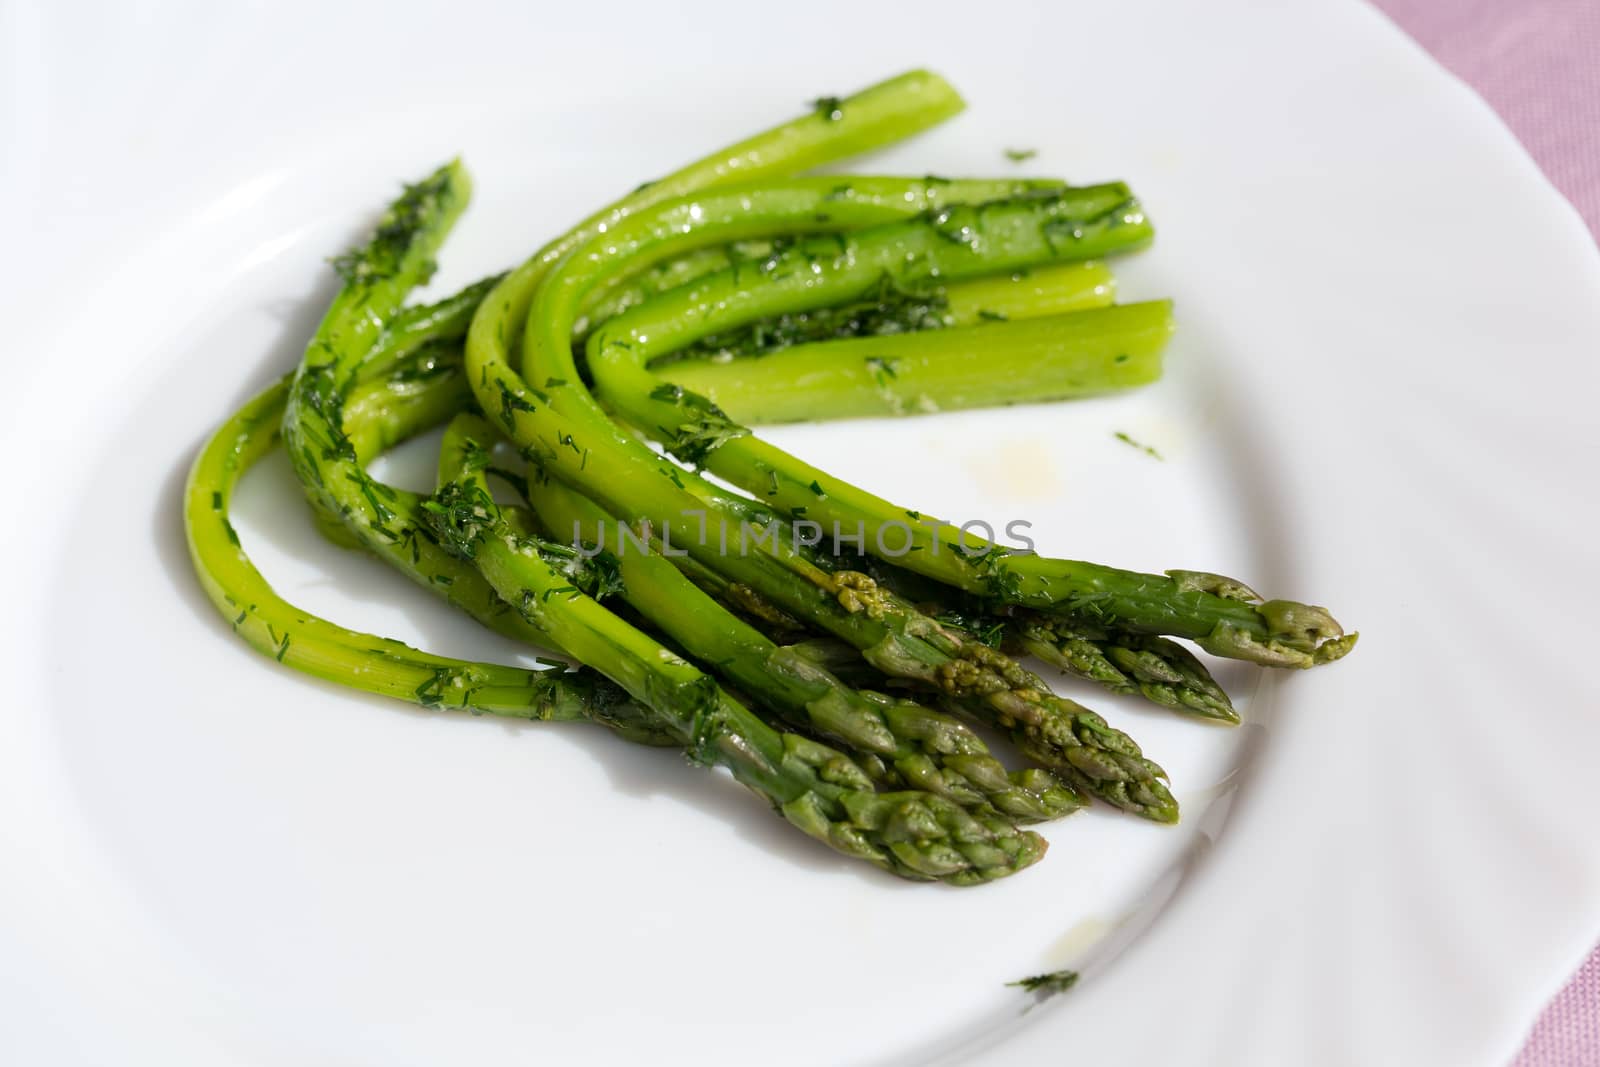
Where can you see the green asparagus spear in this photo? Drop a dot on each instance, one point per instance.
(383, 519)
(891, 310)
(1030, 360)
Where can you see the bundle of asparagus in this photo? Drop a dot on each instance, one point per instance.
(731, 624)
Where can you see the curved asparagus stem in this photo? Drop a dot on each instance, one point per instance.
(1051, 290)
(911, 833)
(300, 640)
(954, 240)
(381, 518)
(925, 748)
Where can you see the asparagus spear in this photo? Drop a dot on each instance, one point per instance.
(1053, 358)
(911, 833)
(298, 639)
(1050, 290)
(383, 519)
(926, 749)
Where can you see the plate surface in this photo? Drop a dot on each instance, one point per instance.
(1377, 399)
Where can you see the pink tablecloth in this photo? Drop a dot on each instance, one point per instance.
(1537, 62)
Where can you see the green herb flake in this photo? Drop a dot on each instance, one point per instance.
(830, 108)
(1047, 984)
(1021, 155)
(1146, 449)
(511, 403)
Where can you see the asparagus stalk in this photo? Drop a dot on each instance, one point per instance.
(1054, 358)
(911, 833)
(1050, 290)
(1030, 293)
(381, 518)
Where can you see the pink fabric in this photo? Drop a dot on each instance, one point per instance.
(1537, 62)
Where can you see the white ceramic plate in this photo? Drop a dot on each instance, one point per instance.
(1380, 398)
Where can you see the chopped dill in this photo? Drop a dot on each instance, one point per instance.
(1047, 984)
(829, 107)
(1146, 449)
